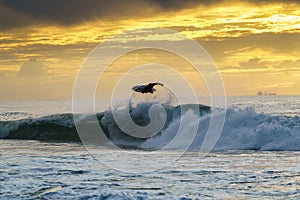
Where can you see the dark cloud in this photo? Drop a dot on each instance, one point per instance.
(70, 11)
(32, 69)
(10, 18)
(15, 13)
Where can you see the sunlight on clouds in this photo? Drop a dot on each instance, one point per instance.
(229, 21)
(233, 33)
(283, 22)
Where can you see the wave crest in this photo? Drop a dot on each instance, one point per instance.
(244, 129)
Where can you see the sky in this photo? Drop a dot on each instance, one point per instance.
(254, 43)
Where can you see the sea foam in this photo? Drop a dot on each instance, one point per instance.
(244, 129)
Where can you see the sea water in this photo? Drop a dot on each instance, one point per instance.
(256, 156)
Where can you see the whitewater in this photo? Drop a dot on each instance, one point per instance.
(245, 127)
(256, 155)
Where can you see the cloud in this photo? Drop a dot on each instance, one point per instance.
(271, 2)
(10, 18)
(32, 69)
(287, 64)
(16, 13)
(275, 44)
(253, 63)
(288, 67)
(68, 12)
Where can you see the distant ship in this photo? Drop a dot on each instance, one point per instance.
(272, 94)
(260, 93)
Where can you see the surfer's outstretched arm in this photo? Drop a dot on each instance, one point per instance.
(153, 84)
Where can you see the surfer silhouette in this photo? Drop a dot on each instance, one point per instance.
(146, 88)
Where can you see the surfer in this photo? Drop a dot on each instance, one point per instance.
(146, 88)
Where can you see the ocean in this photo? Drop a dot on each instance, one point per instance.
(256, 155)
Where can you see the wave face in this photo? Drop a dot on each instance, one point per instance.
(49, 128)
(244, 129)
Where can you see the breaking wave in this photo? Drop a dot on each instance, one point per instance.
(244, 129)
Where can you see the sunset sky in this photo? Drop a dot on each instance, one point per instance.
(255, 44)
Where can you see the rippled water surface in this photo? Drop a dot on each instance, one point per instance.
(30, 169)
